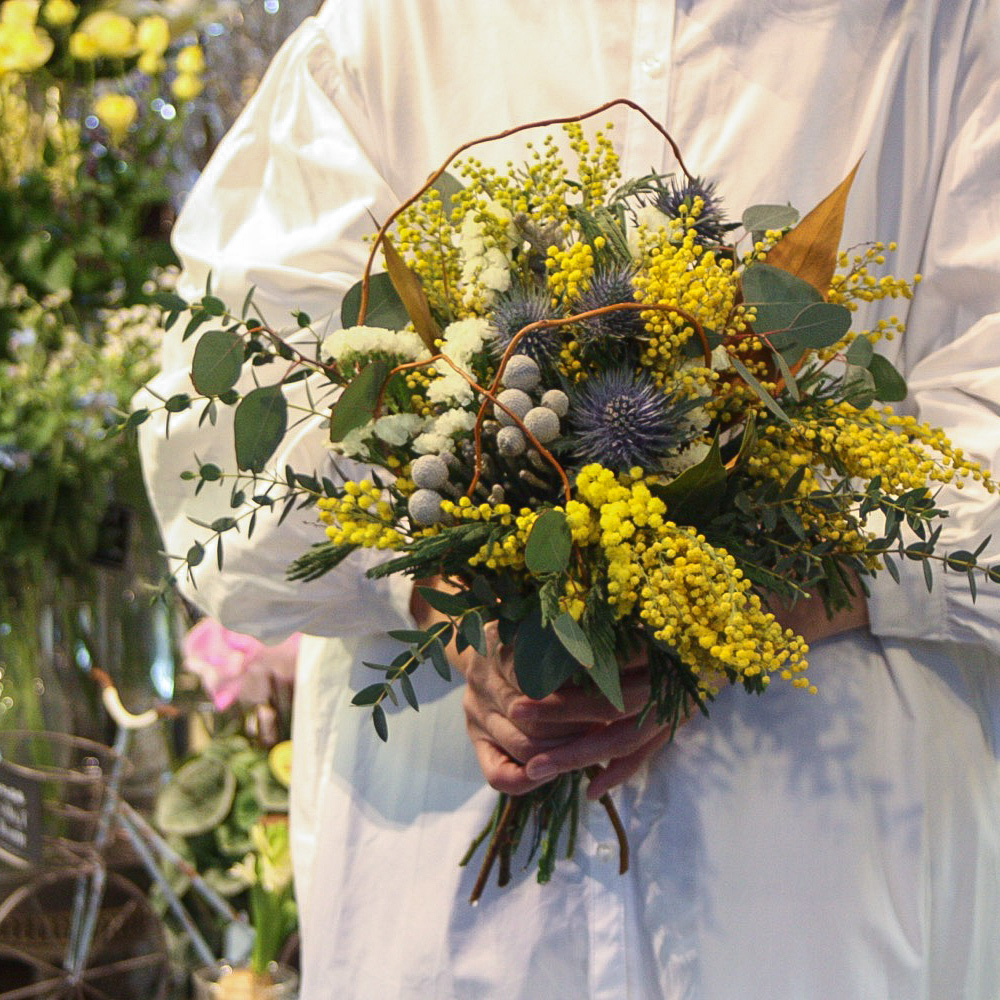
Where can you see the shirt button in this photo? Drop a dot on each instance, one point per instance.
(604, 852)
(652, 66)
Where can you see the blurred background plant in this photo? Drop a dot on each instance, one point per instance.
(225, 807)
(108, 111)
(92, 104)
(242, 675)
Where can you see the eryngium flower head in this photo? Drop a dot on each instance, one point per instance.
(677, 200)
(610, 286)
(515, 310)
(621, 420)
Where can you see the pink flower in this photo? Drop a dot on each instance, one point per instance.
(233, 666)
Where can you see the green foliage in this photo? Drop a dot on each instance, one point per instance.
(217, 362)
(549, 544)
(358, 402)
(211, 810)
(385, 307)
(542, 662)
(759, 218)
(695, 495)
(259, 426)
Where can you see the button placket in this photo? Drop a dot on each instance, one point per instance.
(649, 85)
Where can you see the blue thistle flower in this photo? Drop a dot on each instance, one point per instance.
(677, 199)
(516, 309)
(620, 420)
(610, 286)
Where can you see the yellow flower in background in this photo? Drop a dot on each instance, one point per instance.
(34, 138)
(116, 112)
(21, 13)
(23, 48)
(59, 13)
(82, 47)
(113, 34)
(186, 86)
(191, 60)
(151, 63)
(152, 35)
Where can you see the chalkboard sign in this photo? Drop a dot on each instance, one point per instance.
(20, 815)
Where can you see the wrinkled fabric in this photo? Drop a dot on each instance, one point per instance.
(788, 847)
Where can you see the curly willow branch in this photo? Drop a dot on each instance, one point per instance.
(543, 123)
(488, 397)
(545, 324)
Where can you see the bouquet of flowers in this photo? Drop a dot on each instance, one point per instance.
(608, 420)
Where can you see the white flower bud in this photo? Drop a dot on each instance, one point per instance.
(543, 423)
(429, 472)
(521, 372)
(720, 359)
(424, 507)
(510, 442)
(557, 401)
(517, 401)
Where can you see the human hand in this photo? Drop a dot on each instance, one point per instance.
(521, 743)
(808, 617)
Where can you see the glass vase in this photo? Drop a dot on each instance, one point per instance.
(222, 981)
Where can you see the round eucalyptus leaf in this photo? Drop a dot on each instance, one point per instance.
(259, 425)
(890, 386)
(357, 403)
(217, 362)
(858, 387)
(196, 799)
(777, 296)
(271, 795)
(385, 307)
(541, 662)
(549, 544)
(860, 352)
(760, 218)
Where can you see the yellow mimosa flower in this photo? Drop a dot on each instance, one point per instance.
(82, 47)
(151, 63)
(23, 48)
(22, 13)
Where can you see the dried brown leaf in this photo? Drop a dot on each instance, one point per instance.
(810, 250)
(409, 289)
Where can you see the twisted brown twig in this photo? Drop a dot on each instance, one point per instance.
(565, 120)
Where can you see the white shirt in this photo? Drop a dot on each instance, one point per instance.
(789, 847)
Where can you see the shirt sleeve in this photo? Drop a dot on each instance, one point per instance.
(283, 206)
(954, 382)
